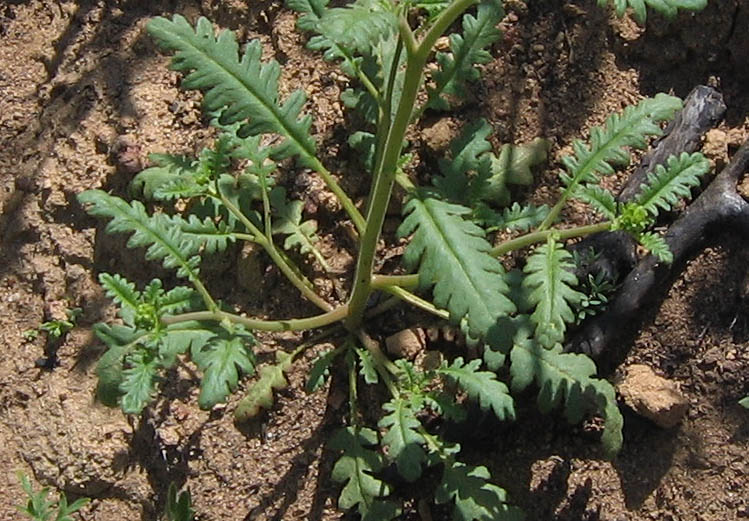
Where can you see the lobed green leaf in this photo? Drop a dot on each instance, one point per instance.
(242, 88)
(355, 468)
(403, 439)
(608, 143)
(466, 50)
(668, 8)
(482, 386)
(568, 377)
(221, 361)
(452, 255)
(668, 184)
(474, 497)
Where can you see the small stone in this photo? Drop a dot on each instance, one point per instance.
(656, 398)
(406, 343)
(439, 135)
(715, 146)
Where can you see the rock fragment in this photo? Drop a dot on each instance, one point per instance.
(656, 398)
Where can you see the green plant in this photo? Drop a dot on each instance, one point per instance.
(178, 505)
(55, 329)
(39, 508)
(229, 194)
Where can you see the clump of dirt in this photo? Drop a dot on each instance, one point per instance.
(85, 97)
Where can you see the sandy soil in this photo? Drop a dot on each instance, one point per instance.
(85, 96)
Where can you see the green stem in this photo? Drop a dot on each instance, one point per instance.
(387, 164)
(344, 199)
(299, 281)
(540, 236)
(294, 324)
(417, 301)
(404, 281)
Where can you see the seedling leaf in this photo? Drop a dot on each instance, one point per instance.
(355, 468)
(550, 280)
(403, 439)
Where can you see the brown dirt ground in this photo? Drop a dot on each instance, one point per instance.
(85, 96)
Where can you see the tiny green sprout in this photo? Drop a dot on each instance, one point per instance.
(178, 505)
(744, 402)
(146, 316)
(39, 508)
(633, 219)
(30, 334)
(55, 329)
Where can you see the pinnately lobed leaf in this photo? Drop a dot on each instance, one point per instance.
(355, 468)
(550, 280)
(164, 241)
(668, 8)
(452, 255)
(260, 394)
(221, 361)
(569, 377)
(404, 441)
(608, 143)
(668, 184)
(466, 51)
(474, 497)
(240, 87)
(482, 386)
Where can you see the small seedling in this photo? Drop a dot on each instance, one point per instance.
(55, 329)
(178, 505)
(39, 508)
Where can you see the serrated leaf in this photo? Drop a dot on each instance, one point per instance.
(550, 280)
(355, 468)
(367, 366)
(168, 168)
(402, 438)
(668, 8)
(599, 198)
(667, 185)
(608, 143)
(138, 381)
(568, 377)
(452, 255)
(474, 497)
(467, 152)
(182, 337)
(163, 241)
(124, 294)
(221, 360)
(515, 217)
(481, 386)
(177, 300)
(260, 394)
(120, 340)
(364, 144)
(210, 236)
(242, 88)
(319, 371)
(466, 51)
(656, 245)
(512, 166)
(359, 26)
(288, 221)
